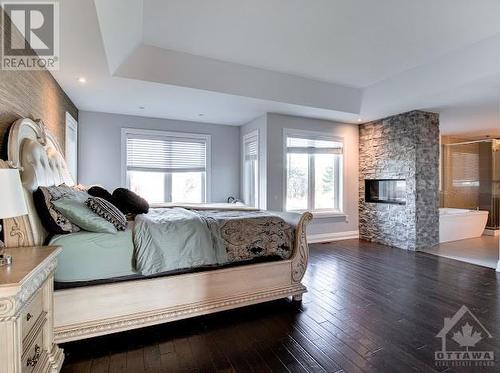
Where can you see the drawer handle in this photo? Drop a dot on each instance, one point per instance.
(31, 362)
(29, 316)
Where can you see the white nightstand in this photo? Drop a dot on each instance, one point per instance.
(26, 312)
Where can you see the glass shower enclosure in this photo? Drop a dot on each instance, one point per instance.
(470, 177)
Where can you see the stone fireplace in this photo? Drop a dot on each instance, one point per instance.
(385, 191)
(399, 180)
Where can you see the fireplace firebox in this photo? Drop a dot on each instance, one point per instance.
(385, 191)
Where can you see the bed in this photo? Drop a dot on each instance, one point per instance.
(113, 296)
(245, 237)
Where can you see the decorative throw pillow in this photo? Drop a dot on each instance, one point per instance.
(52, 220)
(78, 213)
(108, 211)
(130, 203)
(97, 191)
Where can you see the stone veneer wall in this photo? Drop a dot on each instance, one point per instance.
(404, 146)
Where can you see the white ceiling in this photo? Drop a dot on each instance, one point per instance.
(353, 42)
(235, 60)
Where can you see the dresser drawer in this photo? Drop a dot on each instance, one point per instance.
(26, 330)
(34, 354)
(31, 313)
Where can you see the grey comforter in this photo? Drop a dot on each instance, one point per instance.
(168, 239)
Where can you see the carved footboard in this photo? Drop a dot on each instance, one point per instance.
(301, 250)
(300, 254)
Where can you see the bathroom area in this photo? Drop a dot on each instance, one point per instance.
(469, 219)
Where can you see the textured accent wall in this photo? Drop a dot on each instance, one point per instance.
(404, 146)
(35, 95)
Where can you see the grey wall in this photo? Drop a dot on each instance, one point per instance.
(100, 149)
(404, 146)
(100, 157)
(273, 125)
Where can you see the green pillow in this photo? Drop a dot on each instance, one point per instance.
(76, 212)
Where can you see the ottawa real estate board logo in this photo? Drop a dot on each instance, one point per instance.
(30, 35)
(464, 342)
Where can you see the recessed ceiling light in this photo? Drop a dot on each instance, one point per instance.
(359, 119)
(82, 80)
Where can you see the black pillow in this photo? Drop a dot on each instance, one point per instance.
(97, 191)
(44, 214)
(129, 203)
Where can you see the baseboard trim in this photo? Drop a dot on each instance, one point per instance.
(329, 237)
(491, 232)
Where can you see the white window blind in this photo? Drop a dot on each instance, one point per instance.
(72, 145)
(251, 169)
(251, 147)
(167, 154)
(297, 145)
(465, 165)
(165, 166)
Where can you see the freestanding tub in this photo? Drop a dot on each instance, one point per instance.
(460, 224)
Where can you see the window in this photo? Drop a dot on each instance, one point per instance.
(72, 146)
(166, 166)
(465, 165)
(251, 169)
(313, 172)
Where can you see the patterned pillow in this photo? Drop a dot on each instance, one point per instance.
(107, 211)
(52, 220)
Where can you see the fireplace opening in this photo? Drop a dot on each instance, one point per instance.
(385, 191)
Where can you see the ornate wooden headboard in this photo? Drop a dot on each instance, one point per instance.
(36, 153)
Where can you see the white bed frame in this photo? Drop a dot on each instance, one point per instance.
(102, 309)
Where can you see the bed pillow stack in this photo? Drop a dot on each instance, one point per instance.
(62, 210)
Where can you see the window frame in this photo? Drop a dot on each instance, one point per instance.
(315, 135)
(125, 132)
(71, 148)
(249, 136)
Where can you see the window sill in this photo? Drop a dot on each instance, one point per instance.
(323, 214)
(328, 214)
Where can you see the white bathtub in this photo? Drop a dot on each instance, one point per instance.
(460, 224)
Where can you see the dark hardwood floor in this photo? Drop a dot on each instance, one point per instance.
(370, 308)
